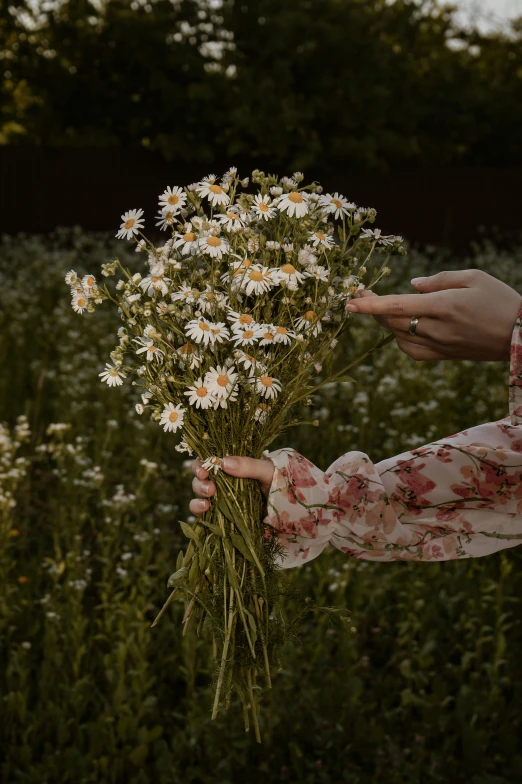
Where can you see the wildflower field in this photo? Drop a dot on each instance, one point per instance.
(427, 685)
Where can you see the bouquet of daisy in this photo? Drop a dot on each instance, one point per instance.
(228, 330)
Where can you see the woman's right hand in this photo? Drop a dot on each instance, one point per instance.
(465, 314)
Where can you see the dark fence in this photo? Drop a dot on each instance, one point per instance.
(42, 188)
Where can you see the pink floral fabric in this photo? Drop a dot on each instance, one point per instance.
(460, 497)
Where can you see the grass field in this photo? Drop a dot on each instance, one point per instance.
(427, 689)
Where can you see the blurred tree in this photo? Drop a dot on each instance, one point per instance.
(363, 84)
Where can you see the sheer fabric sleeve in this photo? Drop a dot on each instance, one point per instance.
(460, 497)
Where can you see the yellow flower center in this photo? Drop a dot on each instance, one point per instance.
(173, 416)
(310, 315)
(81, 302)
(232, 216)
(90, 281)
(216, 331)
(245, 318)
(203, 326)
(295, 197)
(268, 336)
(266, 381)
(189, 236)
(222, 381)
(129, 224)
(248, 333)
(255, 275)
(215, 189)
(209, 295)
(173, 199)
(201, 391)
(263, 206)
(152, 348)
(281, 330)
(246, 263)
(337, 203)
(320, 235)
(187, 348)
(288, 269)
(214, 242)
(155, 278)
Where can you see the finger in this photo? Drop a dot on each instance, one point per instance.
(419, 353)
(454, 279)
(263, 470)
(197, 506)
(200, 472)
(397, 305)
(203, 488)
(364, 293)
(429, 332)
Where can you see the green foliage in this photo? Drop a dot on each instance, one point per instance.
(426, 688)
(322, 83)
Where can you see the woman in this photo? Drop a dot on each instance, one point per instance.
(460, 497)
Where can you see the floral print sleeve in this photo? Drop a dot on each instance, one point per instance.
(460, 497)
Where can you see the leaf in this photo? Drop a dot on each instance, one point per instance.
(179, 560)
(188, 530)
(214, 528)
(139, 755)
(240, 544)
(177, 576)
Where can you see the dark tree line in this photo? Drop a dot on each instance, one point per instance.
(360, 84)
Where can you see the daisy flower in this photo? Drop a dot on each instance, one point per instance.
(294, 204)
(188, 355)
(183, 447)
(132, 222)
(322, 239)
(240, 320)
(204, 331)
(309, 321)
(335, 204)
(246, 336)
(185, 294)
(272, 245)
(231, 220)
(261, 412)
(368, 234)
(267, 334)
(79, 301)
(187, 243)
(112, 376)
(213, 246)
(267, 386)
(165, 219)
(199, 395)
(215, 193)
(257, 280)
(155, 281)
(173, 199)
(207, 300)
(282, 335)
(148, 347)
(318, 272)
(172, 417)
(249, 362)
(212, 463)
(71, 278)
(221, 381)
(236, 270)
(291, 277)
(261, 207)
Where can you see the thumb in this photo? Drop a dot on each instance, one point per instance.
(250, 468)
(455, 279)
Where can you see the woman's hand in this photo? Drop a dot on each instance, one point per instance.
(465, 314)
(263, 470)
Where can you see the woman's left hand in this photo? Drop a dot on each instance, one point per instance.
(246, 467)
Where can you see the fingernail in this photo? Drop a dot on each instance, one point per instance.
(205, 487)
(417, 281)
(352, 306)
(202, 504)
(229, 462)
